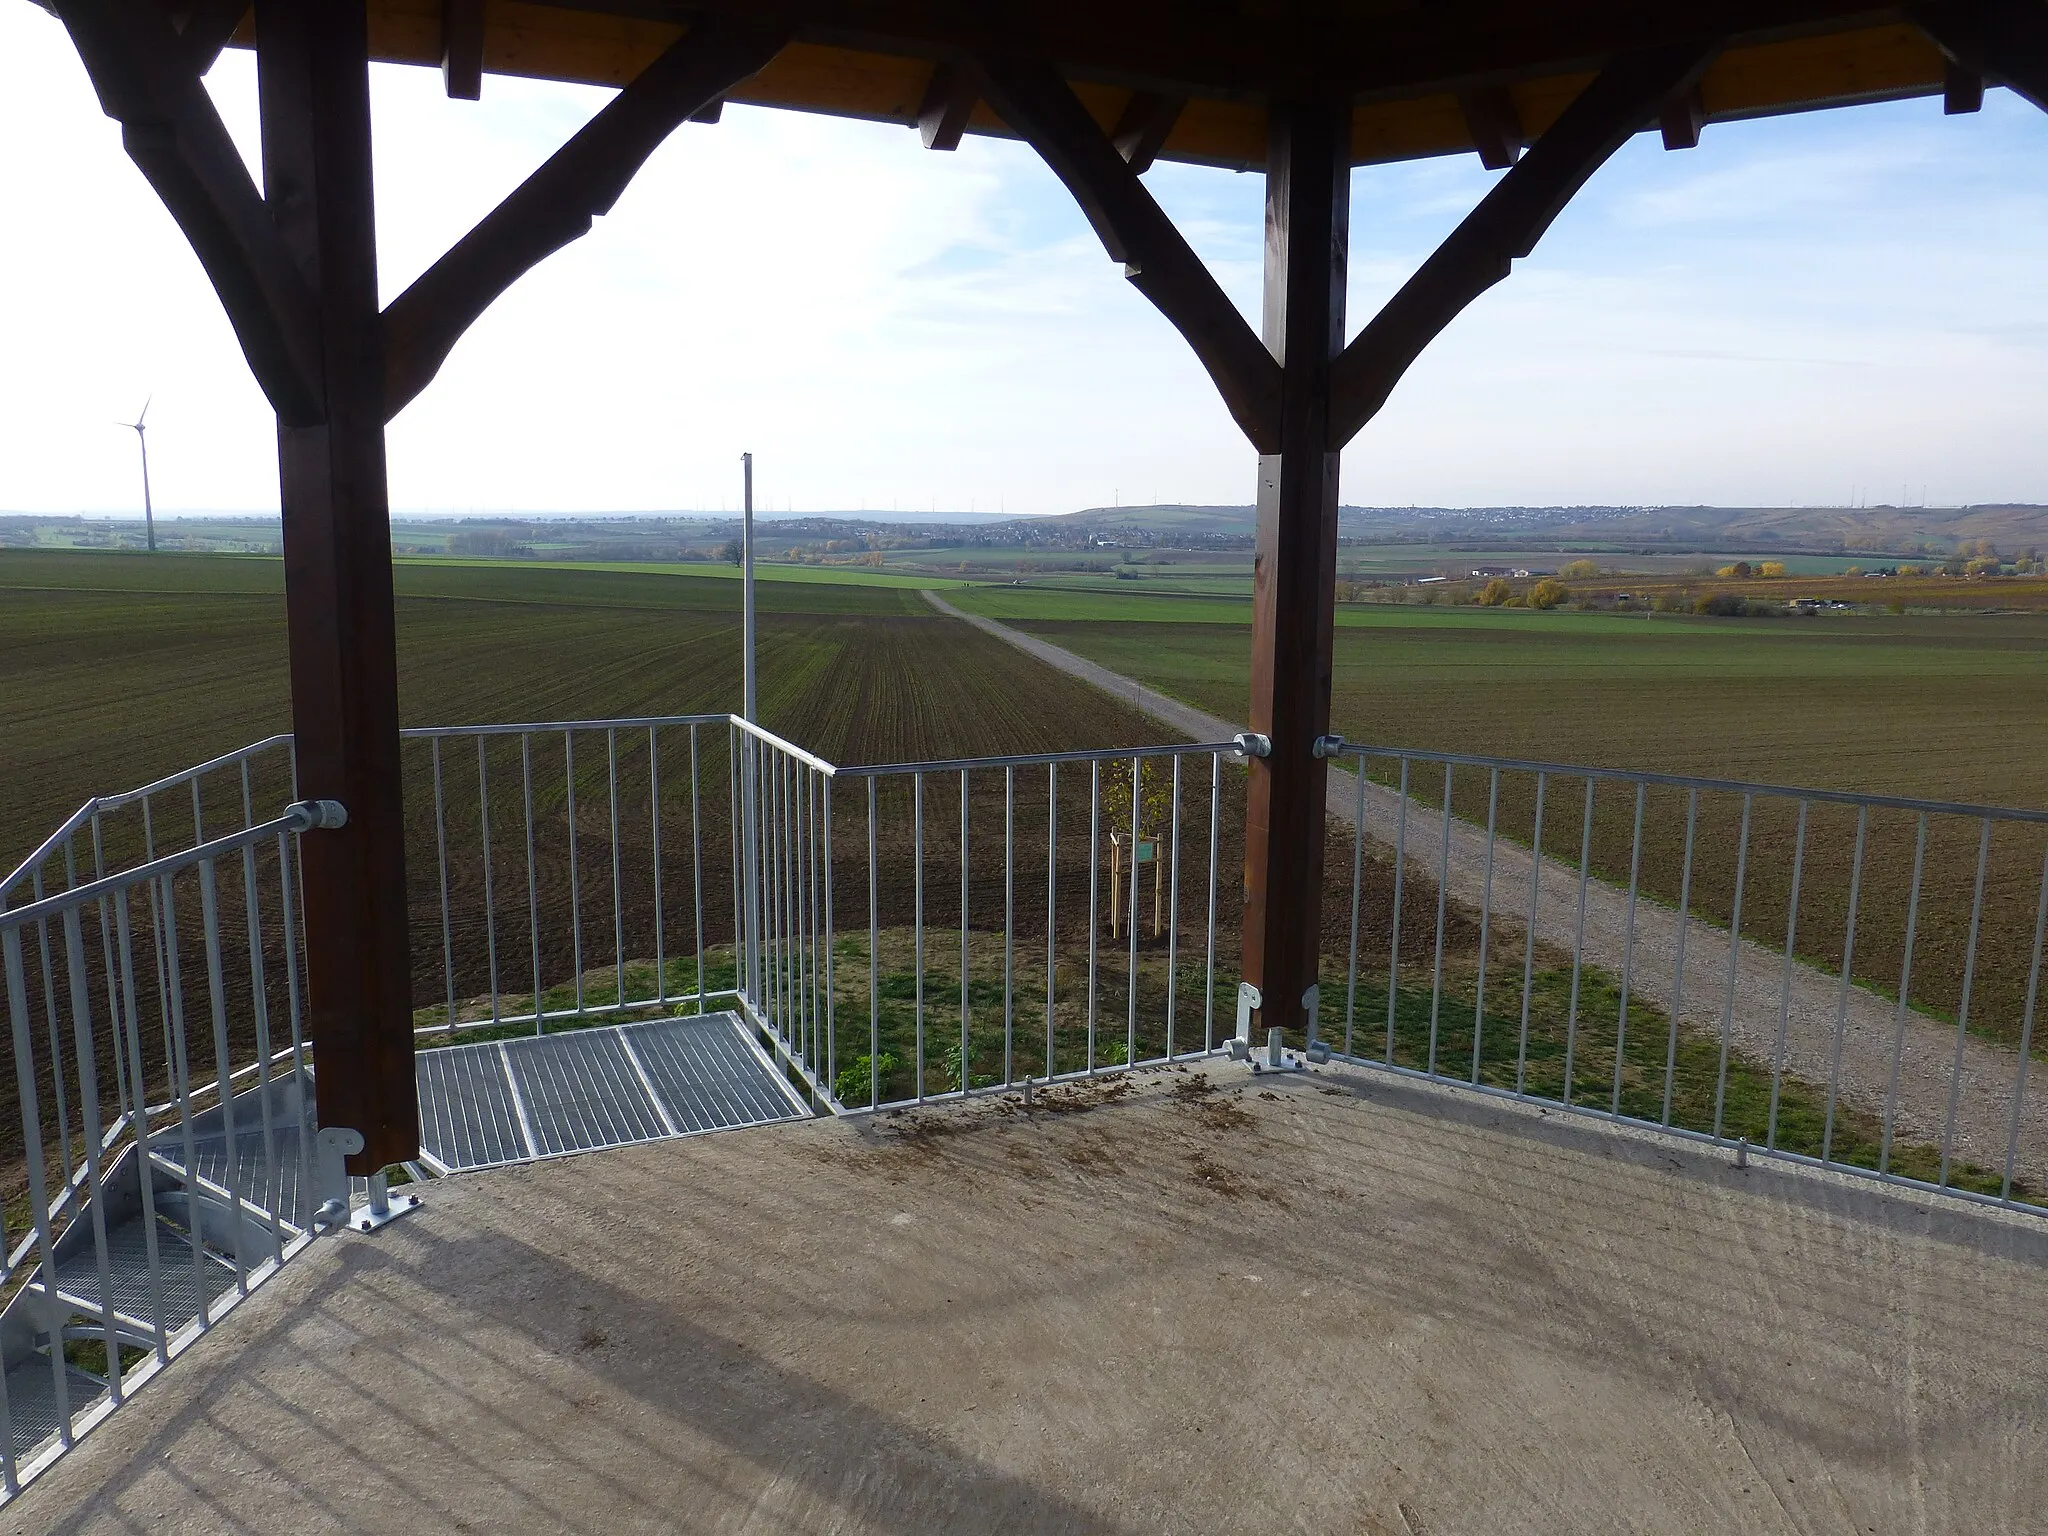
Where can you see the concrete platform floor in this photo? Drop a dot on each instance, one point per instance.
(1328, 1304)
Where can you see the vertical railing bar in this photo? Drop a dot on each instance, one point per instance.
(1394, 940)
(99, 869)
(1094, 878)
(1009, 925)
(156, 925)
(32, 1148)
(1628, 944)
(181, 1068)
(288, 919)
(1571, 1023)
(259, 1004)
(1785, 988)
(1131, 912)
(1891, 1097)
(697, 877)
(966, 1073)
(532, 877)
(831, 960)
(611, 774)
(2019, 1097)
(874, 961)
(1357, 890)
(1734, 964)
(89, 1117)
(144, 1176)
(917, 918)
(575, 867)
(1173, 917)
(1052, 892)
(654, 828)
(1529, 936)
(216, 986)
(483, 806)
(1485, 922)
(441, 853)
(1827, 1138)
(1955, 1073)
(1443, 888)
(1209, 950)
(1692, 807)
(58, 1086)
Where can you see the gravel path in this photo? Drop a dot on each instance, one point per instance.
(1805, 1013)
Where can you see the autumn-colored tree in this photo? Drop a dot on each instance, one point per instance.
(1496, 592)
(1548, 593)
(1771, 568)
(1581, 570)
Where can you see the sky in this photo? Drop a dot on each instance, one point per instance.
(1802, 311)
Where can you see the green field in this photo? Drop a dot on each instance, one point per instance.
(1934, 707)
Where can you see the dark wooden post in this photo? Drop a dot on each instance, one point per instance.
(1308, 220)
(313, 71)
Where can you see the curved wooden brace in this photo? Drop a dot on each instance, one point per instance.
(146, 80)
(1509, 221)
(556, 204)
(2002, 40)
(1035, 101)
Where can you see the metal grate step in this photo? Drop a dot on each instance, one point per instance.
(510, 1101)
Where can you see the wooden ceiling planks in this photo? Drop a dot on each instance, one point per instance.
(600, 43)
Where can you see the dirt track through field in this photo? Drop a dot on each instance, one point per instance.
(1801, 1012)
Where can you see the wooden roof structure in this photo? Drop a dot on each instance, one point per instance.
(1423, 79)
(1303, 89)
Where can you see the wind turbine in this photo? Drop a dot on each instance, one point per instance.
(136, 426)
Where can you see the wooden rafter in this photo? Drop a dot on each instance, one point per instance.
(556, 204)
(1682, 119)
(1233, 50)
(144, 73)
(1507, 224)
(1044, 111)
(948, 101)
(2002, 40)
(1140, 132)
(1495, 124)
(204, 27)
(462, 48)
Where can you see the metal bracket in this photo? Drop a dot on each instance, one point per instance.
(384, 1207)
(331, 1146)
(1315, 1048)
(318, 815)
(1248, 999)
(1328, 746)
(1253, 744)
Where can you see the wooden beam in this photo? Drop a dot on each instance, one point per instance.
(144, 74)
(1495, 124)
(710, 114)
(1962, 90)
(1233, 50)
(1140, 132)
(556, 204)
(313, 80)
(2005, 41)
(1308, 219)
(1044, 111)
(462, 48)
(204, 27)
(949, 98)
(1683, 117)
(1507, 224)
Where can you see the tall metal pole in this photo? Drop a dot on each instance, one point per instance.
(747, 697)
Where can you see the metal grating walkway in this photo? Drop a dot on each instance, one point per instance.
(508, 1101)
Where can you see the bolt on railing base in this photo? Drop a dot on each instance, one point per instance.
(384, 1207)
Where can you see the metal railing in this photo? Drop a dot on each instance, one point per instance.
(959, 886)
(1837, 980)
(1840, 980)
(161, 1167)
